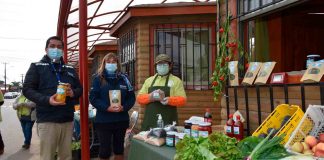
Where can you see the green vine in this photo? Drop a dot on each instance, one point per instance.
(229, 49)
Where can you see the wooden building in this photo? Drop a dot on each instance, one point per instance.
(186, 32)
(284, 31)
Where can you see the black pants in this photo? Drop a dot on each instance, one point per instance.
(111, 137)
(1, 143)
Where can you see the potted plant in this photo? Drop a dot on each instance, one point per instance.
(76, 150)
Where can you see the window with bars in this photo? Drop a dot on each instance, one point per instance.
(127, 53)
(191, 48)
(253, 5)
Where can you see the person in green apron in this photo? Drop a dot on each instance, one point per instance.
(27, 115)
(1, 141)
(161, 94)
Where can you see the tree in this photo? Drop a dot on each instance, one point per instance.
(15, 84)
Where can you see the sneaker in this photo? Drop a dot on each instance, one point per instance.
(25, 146)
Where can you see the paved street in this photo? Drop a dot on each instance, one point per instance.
(13, 137)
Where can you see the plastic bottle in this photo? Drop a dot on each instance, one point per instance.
(160, 123)
(208, 116)
(229, 126)
(238, 128)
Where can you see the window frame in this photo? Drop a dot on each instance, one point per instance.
(128, 58)
(211, 26)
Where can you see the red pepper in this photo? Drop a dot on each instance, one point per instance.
(247, 66)
(215, 83)
(221, 30)
(221, 78)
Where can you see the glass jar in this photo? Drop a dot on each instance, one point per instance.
(170, 138)
(187, 127)
(312, 58)
(204, 129)
(194, 129)
(178, 137)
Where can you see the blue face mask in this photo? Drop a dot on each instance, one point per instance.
(54, 53)
(162, 69)
(111, 67)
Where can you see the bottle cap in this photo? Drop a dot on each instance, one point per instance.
(159, 116)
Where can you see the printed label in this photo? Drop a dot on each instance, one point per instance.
(203, 133)
(228, 129)
(194, 133)
(60, 91)
(187, 131)
(169, 141)
(236, 130)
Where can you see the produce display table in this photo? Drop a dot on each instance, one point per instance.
(140, 150)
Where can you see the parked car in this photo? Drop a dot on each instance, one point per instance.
(10, 95)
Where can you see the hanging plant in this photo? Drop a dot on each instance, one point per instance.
(229, 49)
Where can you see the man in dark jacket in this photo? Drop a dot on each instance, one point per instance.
(54, 118)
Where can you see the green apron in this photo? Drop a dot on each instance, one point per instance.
(169, 113)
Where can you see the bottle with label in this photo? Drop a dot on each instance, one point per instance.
(238, 128)
(229, 126)
(208, 116)
(160, 123)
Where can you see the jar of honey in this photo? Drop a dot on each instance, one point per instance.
(61, 92)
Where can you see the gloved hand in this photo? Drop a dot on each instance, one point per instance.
(165, 101)
(157, 95)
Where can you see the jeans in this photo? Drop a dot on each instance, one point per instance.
(27, 127)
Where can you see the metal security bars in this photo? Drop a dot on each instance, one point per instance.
(127, 53)
(191, 48)
(270, 88)
(253, 5)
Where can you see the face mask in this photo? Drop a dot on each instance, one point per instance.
(111, 67)
(162, 69)
(54, 53)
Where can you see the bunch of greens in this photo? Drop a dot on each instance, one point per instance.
(76, 145)
(216, 147)
(256, 148)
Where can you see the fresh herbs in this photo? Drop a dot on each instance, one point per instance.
(216, 147)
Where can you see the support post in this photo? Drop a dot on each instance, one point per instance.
(83, 66)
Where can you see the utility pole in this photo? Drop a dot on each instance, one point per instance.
(22, 80)
(5, 75)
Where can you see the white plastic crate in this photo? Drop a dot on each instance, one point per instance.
(312, 124)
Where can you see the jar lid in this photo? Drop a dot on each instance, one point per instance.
(313, 55)
(195, 122)
(171, 133)
(187, 121)
(204, 124)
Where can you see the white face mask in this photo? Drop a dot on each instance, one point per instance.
(162, 69)
(111, 67)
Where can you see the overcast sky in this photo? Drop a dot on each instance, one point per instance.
(25, 26)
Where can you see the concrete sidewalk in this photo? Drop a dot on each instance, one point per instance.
(13, 137)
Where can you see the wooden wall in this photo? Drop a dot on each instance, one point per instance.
(312, 96)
